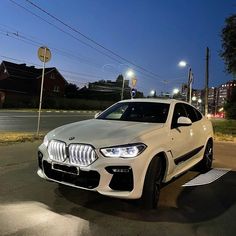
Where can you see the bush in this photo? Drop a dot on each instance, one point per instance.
(24, 101)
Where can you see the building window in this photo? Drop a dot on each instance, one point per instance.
(52, 76)
(56, 89)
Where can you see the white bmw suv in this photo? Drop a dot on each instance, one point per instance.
(129, 149)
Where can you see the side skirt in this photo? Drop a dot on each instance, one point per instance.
(188, 155)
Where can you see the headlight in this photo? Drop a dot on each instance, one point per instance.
(126, 151)
(45, 141)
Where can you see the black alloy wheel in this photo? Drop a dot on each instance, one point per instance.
(152, 184)
(206, 163)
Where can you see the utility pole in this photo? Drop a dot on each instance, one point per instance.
(206, 81)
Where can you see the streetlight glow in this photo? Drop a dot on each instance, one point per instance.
(183, 63)
(130, 74)
(152, 92)
(175, 91)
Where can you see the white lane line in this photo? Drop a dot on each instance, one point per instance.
(207, 178)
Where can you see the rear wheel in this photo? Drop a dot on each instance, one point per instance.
(206, 162)
(152, 184)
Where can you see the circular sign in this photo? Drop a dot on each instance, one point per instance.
(44, 54)
(133, 92)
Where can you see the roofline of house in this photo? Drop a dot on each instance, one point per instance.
(54, 68)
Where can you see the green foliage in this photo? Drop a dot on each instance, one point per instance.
(230, 106)
(228, 38)
(225, 127)
(20, 101)
(71, 90)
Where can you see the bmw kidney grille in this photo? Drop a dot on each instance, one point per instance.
(78, 154)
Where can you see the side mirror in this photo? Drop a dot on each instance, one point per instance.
(97, 114)
(184, 121)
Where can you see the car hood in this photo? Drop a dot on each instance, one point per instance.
(102, 133)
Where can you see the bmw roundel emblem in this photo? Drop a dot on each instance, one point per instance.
(71, 138)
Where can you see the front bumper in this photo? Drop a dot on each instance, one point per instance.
(116, 177)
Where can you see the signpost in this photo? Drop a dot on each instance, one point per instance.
(44, 55)
(133, 90)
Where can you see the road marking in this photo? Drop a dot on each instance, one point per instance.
(207, 178)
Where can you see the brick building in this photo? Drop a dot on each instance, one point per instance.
(19, 81)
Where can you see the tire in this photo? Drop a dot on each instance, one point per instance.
(206, 163)
(152, 184)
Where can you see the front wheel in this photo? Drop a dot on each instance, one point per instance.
(152, 184)
(206, 163)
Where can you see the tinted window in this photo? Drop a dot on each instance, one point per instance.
(137, 111)
(199, 115)
(191, 114)
(178, 111)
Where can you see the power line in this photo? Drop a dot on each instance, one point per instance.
(20, 37)
(37, 44)
(90, 39)
(58, 28)
(34, 39)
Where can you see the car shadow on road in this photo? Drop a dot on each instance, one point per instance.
(189, 205)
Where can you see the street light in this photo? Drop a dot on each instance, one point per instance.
(129, 74)
(190, 79)
(175, 91)
(152, 93)
(182, 63)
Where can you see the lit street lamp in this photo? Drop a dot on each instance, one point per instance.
(175, 91)
(129, 74)
(190, 80)
(152, 93)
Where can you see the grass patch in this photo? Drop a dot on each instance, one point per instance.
(224, 130)
(16, 137)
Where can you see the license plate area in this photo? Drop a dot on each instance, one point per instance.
(67, 169)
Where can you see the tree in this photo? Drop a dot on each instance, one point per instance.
(71, 90)
(230, 106)
(228, 38)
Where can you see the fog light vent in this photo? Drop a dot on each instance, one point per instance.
(118, 169)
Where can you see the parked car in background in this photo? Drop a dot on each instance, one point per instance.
(129, 150)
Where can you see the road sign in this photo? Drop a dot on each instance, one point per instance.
(44, 54)
(133, 92)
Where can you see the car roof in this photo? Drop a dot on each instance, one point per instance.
(155, 100)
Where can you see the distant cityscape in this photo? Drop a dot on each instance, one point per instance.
(217, 96)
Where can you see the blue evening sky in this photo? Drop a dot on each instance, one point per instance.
(155, 34)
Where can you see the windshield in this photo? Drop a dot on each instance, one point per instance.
(137, 111)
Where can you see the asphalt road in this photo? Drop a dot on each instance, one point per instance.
(27, 121)
(32, 206)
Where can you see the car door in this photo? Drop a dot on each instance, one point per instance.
(181, 138)
(197, 129)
